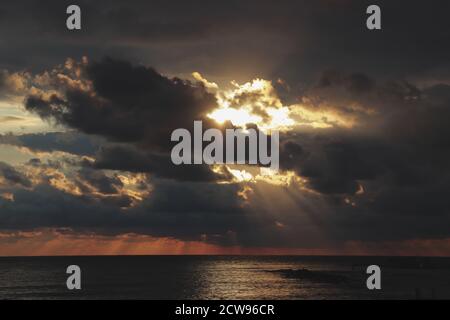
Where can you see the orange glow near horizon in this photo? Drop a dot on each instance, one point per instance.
(53, 243)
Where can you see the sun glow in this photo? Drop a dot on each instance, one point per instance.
(238, 117)
(242, 173)
(257, 102)
(254, 102)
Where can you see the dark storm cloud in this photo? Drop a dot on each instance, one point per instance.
(355, 83)
(100, 181)
(185, 211)
(131, 104)
(129, 158)
(405, 136)
(46, 203)
(70, 142)
(413, 42)
(12, 176)
(334, 164)
(399, 156)
(293, 40)
(2, 81)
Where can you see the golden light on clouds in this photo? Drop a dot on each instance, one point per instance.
(241, 175)
(318, 119)
(257, 102)
(238, 117)
(7, 196)
(134, 186)
(252, 174)
(254, 102)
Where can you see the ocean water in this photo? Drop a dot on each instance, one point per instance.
(224, 277)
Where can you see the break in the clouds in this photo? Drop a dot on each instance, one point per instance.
(363, 120)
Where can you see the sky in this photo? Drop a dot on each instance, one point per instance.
(86, 118)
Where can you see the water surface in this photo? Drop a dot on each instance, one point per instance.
(223, 277)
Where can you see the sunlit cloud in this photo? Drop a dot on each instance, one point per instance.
(60, 175)
(257, 102)
(253, 102)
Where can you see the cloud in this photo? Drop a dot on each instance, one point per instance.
(398, 131)
(11, 176)
(70, 142)
(129, 158)
(130, 105)
(293, 42)
(12, 84)
(6, 119)
(102, 183)
(199, 209)
(124, 103)
(335, 161)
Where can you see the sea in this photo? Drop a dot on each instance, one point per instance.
(224, 277)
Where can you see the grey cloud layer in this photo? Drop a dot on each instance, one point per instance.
(293, 40)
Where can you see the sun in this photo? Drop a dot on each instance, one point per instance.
(238, 117)
(254, 102)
